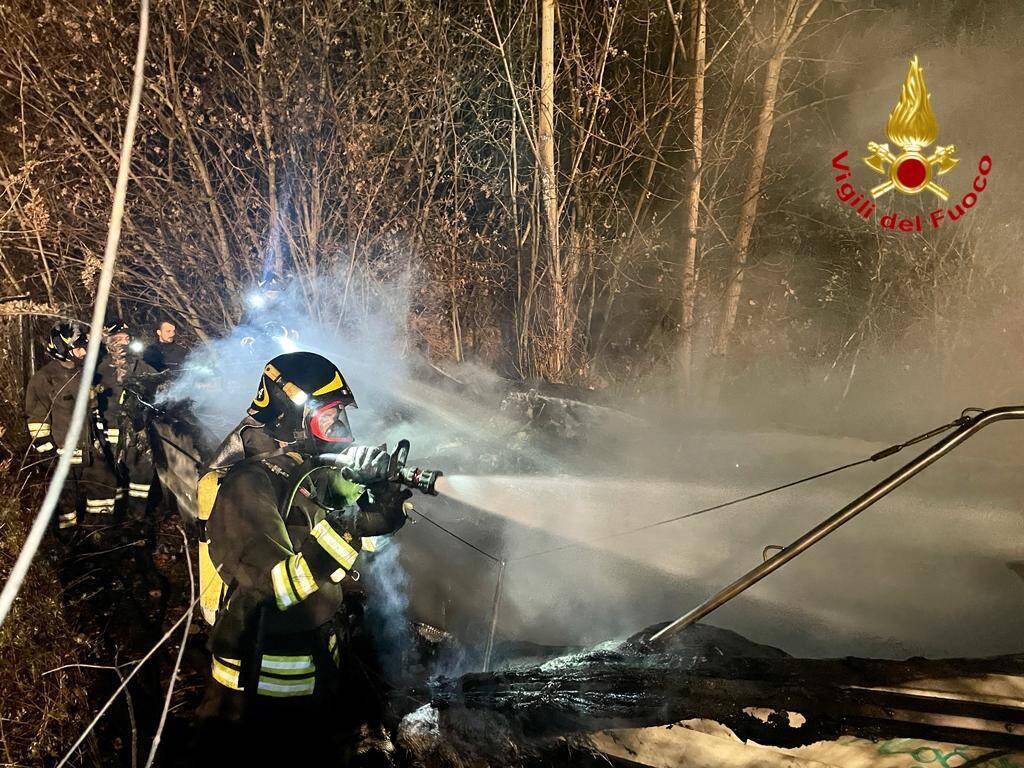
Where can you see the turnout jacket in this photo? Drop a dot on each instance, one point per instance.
(284, 578)
(114, 407)
(49, 403)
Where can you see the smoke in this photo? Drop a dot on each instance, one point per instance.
(587, 563)
(220, 377)
(923, 571)
(926, 571)
(582, 505)
(387, 611)
(957, 337)
(398, 392)
(835, 310)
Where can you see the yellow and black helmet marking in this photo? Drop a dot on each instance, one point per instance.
(291, 383)
(66, 336)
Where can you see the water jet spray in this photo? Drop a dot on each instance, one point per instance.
(966, 426)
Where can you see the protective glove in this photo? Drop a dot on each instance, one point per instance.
(366, 464)
(387, 500)
(380, 515)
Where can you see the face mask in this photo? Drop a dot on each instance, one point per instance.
(328, 424)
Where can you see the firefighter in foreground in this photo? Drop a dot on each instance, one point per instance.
(284, 536)
(49, 403)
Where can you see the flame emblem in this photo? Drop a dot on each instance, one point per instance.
(912, 127)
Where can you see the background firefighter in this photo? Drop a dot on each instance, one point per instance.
(165, 353)
(267, 308)
(285, 533)
(264, 304)
(125, 383)
(49, 401)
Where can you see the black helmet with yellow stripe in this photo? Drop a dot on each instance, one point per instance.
(65, 337)
(302, 397)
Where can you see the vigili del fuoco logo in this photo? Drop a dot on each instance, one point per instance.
(908, 167)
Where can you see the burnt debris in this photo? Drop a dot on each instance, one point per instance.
(759, 692)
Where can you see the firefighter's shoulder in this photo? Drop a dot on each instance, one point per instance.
(106, 374)
(51, 369)
(50, 373)
(105, 366)
(245, 480)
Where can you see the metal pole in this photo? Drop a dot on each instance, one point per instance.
(851, 510)
(495, 606)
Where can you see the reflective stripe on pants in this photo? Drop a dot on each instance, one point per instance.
(76, 457)
(138, 490)
(280, 676)
(100, 506)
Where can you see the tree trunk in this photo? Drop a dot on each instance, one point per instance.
(689, 281)
(272, 256)
(716, 675)
(785, 35)
(549, 190)
(751, 192)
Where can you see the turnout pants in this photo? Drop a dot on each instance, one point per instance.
(338, 723)
(135, 470)
(71, 502)
(90, 490)
(134, 461)
(98, 486)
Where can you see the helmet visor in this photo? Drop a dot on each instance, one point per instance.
(329, 423)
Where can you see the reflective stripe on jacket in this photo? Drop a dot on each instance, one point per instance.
(279, 574)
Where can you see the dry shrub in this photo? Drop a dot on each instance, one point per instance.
(40, 714)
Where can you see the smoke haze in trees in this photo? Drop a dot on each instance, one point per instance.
(885, 585)
(514, 491)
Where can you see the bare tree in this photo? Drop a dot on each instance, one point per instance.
(784, 32)
(560, 331)
(688, 287)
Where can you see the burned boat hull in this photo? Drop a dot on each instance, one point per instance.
(759, 693)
